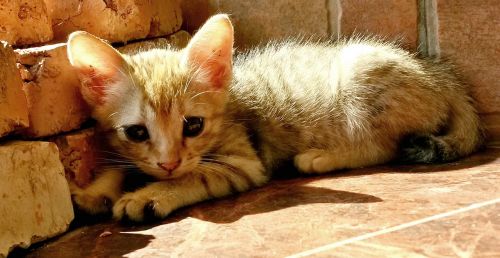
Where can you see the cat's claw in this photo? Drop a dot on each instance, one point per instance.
(314, 161)
(138, 208)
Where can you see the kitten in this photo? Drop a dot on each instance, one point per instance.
(206, 127)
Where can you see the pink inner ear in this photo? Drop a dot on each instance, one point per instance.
(96, 83)
(219, 74)
(214, 68)
(218, 78)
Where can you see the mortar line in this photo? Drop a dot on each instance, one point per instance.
(334, 15)
(428, 28)
(432, 25)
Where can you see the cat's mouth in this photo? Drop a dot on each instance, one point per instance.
(169, 171)
(161, 174)
(169, 167)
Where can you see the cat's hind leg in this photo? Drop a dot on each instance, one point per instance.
(317, 161)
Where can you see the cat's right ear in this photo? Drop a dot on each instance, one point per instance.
(98, 65)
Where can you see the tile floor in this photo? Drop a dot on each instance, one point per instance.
(449, 210)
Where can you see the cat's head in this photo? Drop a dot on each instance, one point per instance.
(162, 109)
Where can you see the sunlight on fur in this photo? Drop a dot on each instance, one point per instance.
(206, 125)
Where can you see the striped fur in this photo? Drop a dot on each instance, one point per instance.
(323, 106)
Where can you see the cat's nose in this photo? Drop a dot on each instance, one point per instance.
(169, 166)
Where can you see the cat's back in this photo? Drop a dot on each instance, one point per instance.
(333, 94)
(300, 81)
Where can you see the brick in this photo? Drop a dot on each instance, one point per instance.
(35, 199)
(79, 152)
(390, 19)
(13, 105)
(177, 40)
(259, 21)
(116, 20)
(52, 89)
(468, 35)
(25, 22)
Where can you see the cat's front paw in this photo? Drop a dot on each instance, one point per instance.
(140, 207)
(314, 161)
(92, 204)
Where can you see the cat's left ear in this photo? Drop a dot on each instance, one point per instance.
(210, 52)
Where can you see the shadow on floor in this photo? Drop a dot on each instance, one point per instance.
(483, 157)
(100, 240)
(285, 193)
(272, 198)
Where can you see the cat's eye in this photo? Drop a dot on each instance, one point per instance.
(137, 133)
(193, 126)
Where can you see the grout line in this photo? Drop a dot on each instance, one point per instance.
(422, 29)
(392, 229)
(428, 28)
(432, 27)
(334, 15)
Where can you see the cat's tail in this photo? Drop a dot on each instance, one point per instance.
(463, 135)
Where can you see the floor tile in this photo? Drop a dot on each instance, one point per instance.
(293, 216)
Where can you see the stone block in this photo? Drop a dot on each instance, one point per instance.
(115, 20)
(79, 152)
(469, 36)
(24, 22)
(177, 40)
(389, 19)
(259, 21)
(35, 199)
(13, 105)
(52, 89)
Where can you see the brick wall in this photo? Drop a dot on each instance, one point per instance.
(42, 115)
(259, 21)
(466, 32)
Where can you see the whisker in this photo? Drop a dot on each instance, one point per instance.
(117, 154)
(112, 114)
(116, 161)
(203, 92)
(116, 167)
